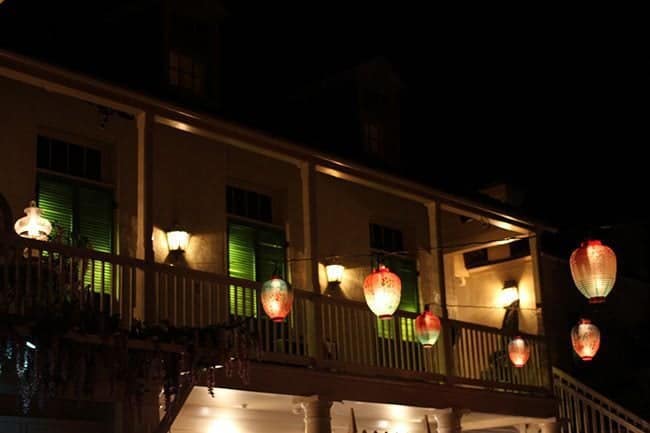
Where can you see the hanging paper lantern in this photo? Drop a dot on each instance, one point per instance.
(427, 328)
(277, 298)
(585, 338)
(33, 225)
(382, 290)
(518, 351)
(593, 267)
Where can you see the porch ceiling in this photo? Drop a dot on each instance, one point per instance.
(236, 411)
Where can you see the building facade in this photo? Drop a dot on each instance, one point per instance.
(114, 171)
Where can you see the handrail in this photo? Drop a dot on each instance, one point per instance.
(325, 332)
(572, 392)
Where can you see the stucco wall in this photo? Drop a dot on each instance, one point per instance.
(26, 112)
(476, 298)
(190, 178)
(345, 211)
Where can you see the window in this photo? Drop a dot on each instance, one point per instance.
(388, 240)
(186, 73)
(373, 139)
(84, 215)
(481, 257)
(248, 204)
(255, 250)
(67, 158)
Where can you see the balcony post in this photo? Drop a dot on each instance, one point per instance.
(145, 304)
(310, 223)
(317, 414)
(448, 420)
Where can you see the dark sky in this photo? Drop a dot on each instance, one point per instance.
(553, 101)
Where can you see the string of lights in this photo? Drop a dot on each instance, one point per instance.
(411, 252)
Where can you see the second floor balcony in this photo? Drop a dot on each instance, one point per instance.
(43, 279)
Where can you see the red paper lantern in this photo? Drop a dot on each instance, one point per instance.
(585, 338)
(382, 290)
(518, 351)
(277, 298)
(427, 328)
(593, 267)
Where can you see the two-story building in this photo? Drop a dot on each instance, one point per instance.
(114, 171)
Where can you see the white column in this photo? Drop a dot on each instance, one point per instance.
(550, 427)
(317, 414)
(448, 420)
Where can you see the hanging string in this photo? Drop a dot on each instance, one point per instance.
(486, 307)
(384, 254)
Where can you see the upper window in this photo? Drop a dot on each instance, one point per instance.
(67, 158)
(385, 239)
(186, 73)
(481, 257)
(373, 139)
(248, 204)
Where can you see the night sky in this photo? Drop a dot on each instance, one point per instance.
(551, 102)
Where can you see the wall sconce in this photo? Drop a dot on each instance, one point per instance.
(509, 294)
(33, 225)
(334, 273)
(177, 239)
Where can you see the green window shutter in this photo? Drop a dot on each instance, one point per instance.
(406, 269)
(270, 253)
(56, 199)
(241, 264)
(95, 225)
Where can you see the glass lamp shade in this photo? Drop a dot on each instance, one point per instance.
(518, 351)
(585, 338)
(178, 240)
(33, 225)
(382, 290)
(593, 268)
(277, 298)
(334, 273)
(427, 328)
(509, 294)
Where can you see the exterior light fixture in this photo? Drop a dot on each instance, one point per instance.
(334, 277)
(427, 328)
(382, 290)
(33, 225)
(277, 298)
(177, 239)
(585, 338)
(518, 351)
(509, 293)
(593, 268)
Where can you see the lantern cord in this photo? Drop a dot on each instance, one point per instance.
(334, 258)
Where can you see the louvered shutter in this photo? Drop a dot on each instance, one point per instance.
(56, 200)
(95, 225)
(270, 253)
(241, 264)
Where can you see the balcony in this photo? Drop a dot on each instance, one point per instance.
(322, 333)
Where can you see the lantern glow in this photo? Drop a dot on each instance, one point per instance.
(334, 273)
(509, 293)
(277, 298)
(518, 351)
(427, 328)
(593, 268)
(585, 338)
(177, 239)
(33, 225)
(382, 290)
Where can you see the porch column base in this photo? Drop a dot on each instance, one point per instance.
(317, 414)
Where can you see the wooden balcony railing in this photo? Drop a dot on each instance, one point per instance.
(322, 332)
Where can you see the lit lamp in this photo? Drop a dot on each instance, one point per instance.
(585, 338)
(593, 268)
(518, 351)
(427, 328)
(33, 225)
(509, 294)
(177, 239)
(277, 298)
(382, 290)
(334, 277)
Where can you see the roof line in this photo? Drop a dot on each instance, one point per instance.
(59, 80)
